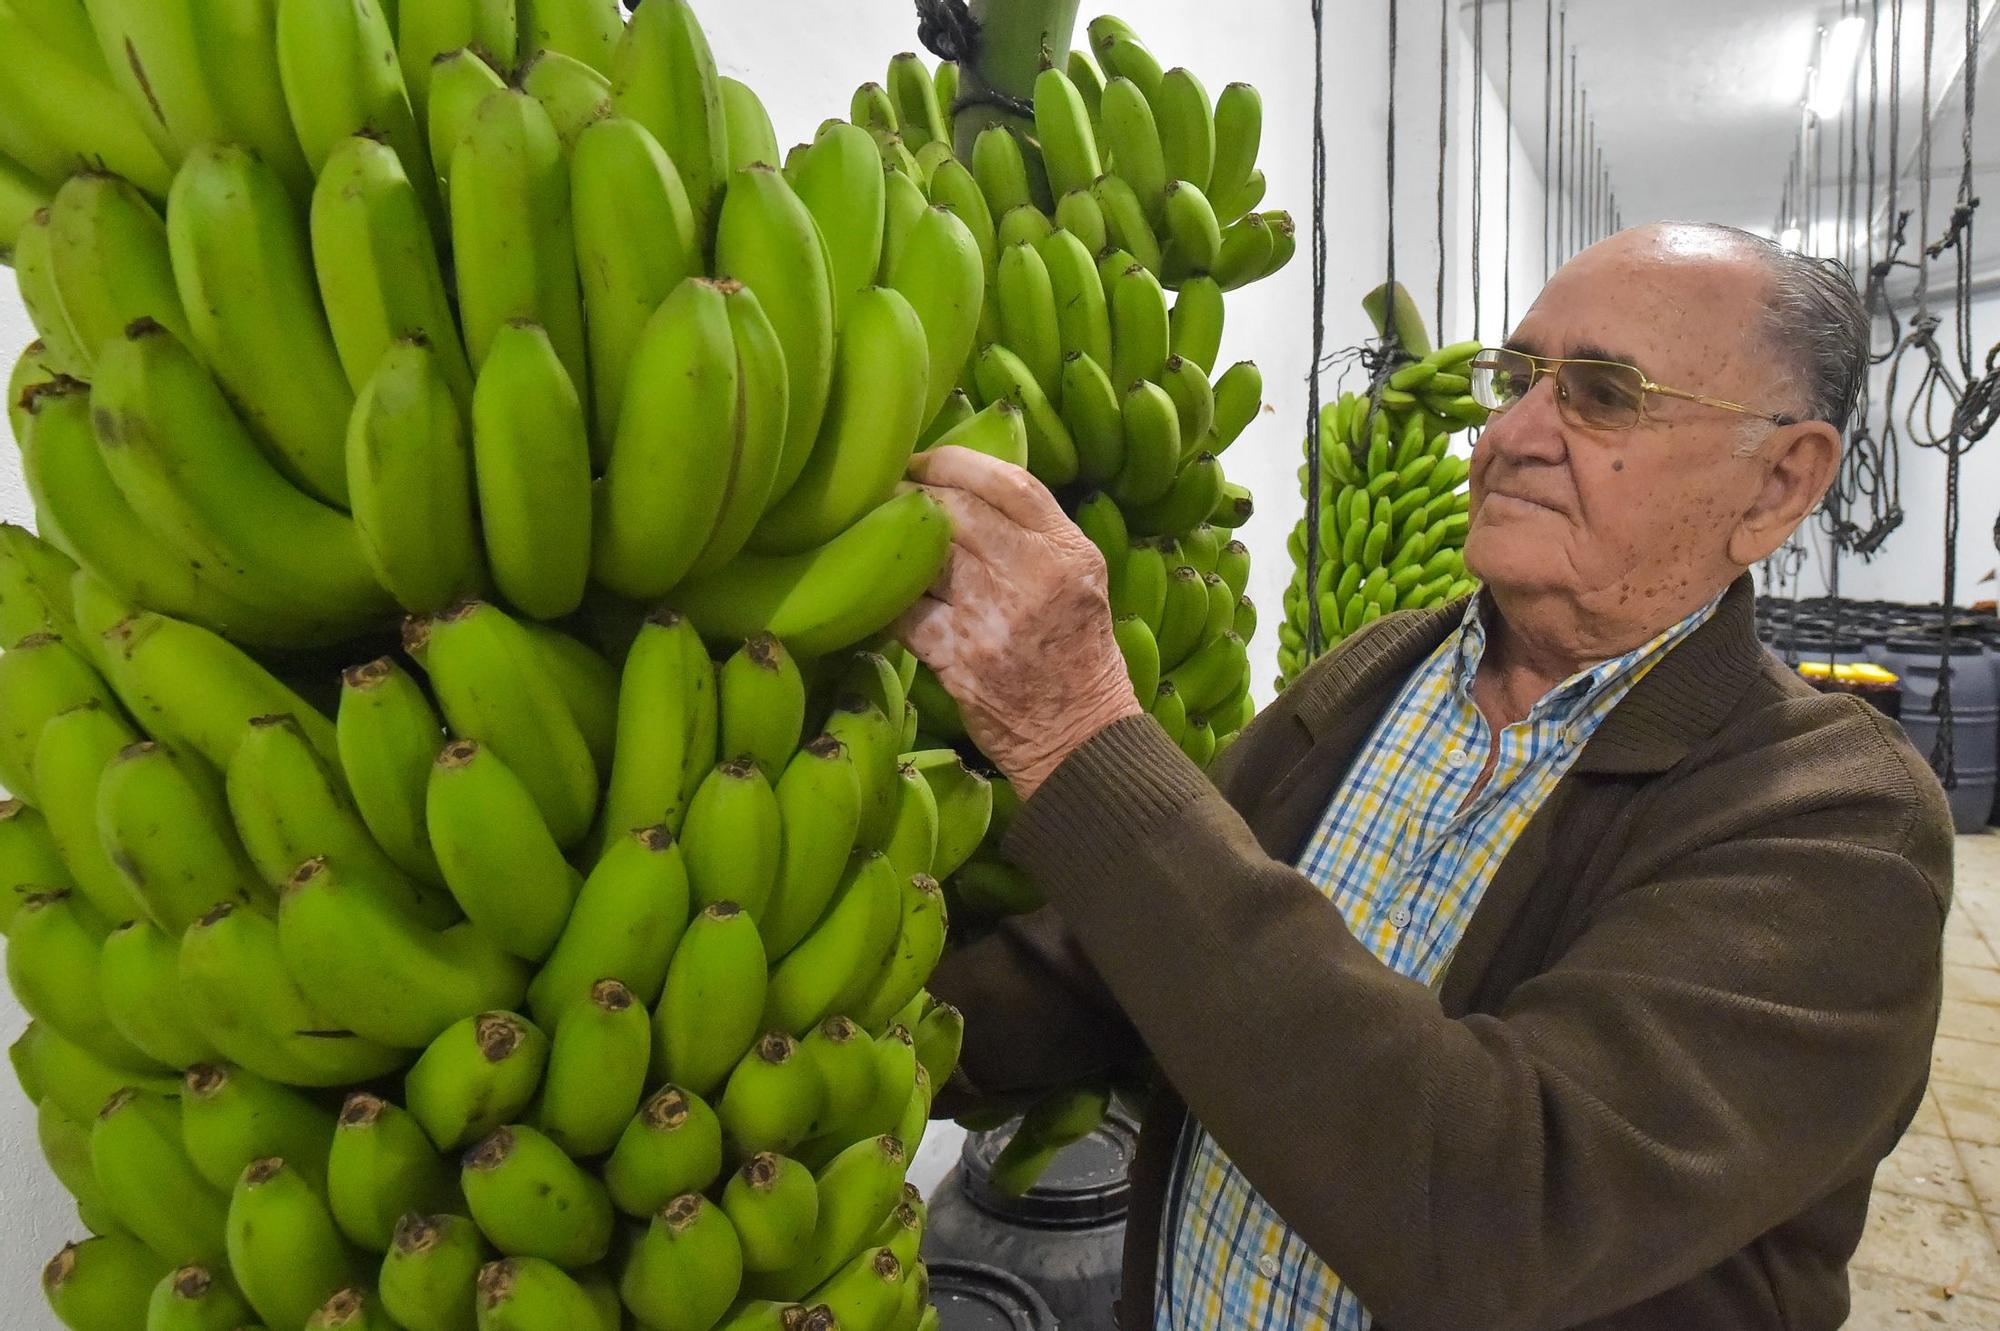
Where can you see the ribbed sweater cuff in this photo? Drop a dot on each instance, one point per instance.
(1104, 802)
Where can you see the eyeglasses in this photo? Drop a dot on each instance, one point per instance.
(1592, 394)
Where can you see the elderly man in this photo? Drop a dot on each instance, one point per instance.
(1553, 960)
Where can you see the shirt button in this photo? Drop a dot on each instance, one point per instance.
(1457, 758)
(1269, 1266)
(1400, 917)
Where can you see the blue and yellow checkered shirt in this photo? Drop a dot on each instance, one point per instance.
(1405, 850)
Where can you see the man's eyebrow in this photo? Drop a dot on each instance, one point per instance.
(1591, 351)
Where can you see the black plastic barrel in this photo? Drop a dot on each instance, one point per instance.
(1975, 709)
(974, 1296)
(1065, 1236)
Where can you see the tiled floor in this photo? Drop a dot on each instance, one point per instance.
(1931, 1256)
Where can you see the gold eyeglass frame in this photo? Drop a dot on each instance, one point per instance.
(1540, 367)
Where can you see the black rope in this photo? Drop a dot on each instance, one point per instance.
(1548, 124)
(1576, 167)
(1314, 632)
(1478, 157)
(1444, 127)
(948, 31)
(1507, 194)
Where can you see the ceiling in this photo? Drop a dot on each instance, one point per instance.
(1697, 104)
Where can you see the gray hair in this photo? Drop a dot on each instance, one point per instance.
(1814, 317)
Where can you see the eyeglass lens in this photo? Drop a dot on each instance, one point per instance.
(1593, 394)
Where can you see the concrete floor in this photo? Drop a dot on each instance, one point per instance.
(1931, 1256)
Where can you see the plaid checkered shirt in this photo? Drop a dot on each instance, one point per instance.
(1404, 851)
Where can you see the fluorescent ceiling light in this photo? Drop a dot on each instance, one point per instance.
(1790, 237)
(1833, 71)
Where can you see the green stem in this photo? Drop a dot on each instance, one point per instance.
(1015, 36)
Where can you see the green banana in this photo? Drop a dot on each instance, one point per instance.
(531, 456)
(586, 30)
(597, 1066)
(289, 807)
(428, 1275)
(148, 1182)
(938, 270)
(819, 811)
(1079, 213)
(1239, 128)
(35, 581)
(1239, 396)
(1052, 1123)
(74, 749)
(956, 411)
(480, 1073)
(872, 108)
(1183, 617)
(772, 1098)
(460, 80)
(636, 242)
(919, 944)
(234, 981)
(1139, 326)
(1083, 319)
(56, 1071)
(732, 838)
(1192, 230)
(411, 469)
(665, 481)
(839, 179)
(1194, 497)
(34, 275)
(40, 676)
(939, 1036)
(998, 431)
(382, 1167)
(69, 116)
(672, 1146)
(766, 238)
(388, 735)
(1001, 170)
(230, 1116)
(760, 441)
(426, 31)
(762, 699)
(242, 262)
(527, 1293)
(102, 1283)
(531, 1200)
(1153, 446)
(77, 498)
(625, 925)
(873, 414)
(911, 841)
(512, 241)
(139, 979)
(377, 265)
(1126, 224)
(53, 965)
(108, 262)
(194, 1298)
(1100, 519)
(1052, 453)
(1132, 137)
(1187, 127)
(667, 721)
(1026, 301)
(350, 1308)
(919, 117)
(284, 1248)
(685, 1269)
(865, 1292)
(773, 1204)
(29, 861)
(181, 457)
(494, 687)
(843, 1055)
(874, 742)
(574, 94)
(1122, 54)
(748, 127)
(710, 1007)
(1062, 126)
(1194, 400)
(965, 807)
(337, 64)
(499, 857)
(1025, 225)
(1194, 325)
(838, 962)
(164, 823)
(821, 600)
(903, 204)
(953, 187)
(1141, 652)
(1141, 587)
(857, 1190)
(663, 76)
(387, 978)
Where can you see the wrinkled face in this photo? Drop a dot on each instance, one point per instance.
(1630, 524)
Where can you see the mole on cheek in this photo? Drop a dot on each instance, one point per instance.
(1618, 464)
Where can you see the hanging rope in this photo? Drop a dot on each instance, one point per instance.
(1444, 131)
(1314, 635)
(1478, 157)
(1548, 125)
(1507, 192)
(1562, 151)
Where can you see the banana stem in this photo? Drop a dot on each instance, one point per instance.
(1014, 35)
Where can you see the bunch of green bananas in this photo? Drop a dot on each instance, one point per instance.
(1392, 515)
(1081, 368)
(543, 969)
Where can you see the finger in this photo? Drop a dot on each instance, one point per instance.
(979, 528)
(928, 629)
(1013, 490)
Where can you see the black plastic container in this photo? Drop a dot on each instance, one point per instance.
(1975, 706)
(1065, 1237)
(973, 1296)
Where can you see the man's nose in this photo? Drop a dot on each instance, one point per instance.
(1531, 430)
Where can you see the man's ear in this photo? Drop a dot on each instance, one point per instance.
(1799, 463)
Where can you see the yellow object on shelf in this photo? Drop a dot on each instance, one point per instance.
(1848, 672)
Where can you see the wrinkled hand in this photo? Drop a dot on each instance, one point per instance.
(1018, 626)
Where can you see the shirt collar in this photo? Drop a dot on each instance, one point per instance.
(1582, 690)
